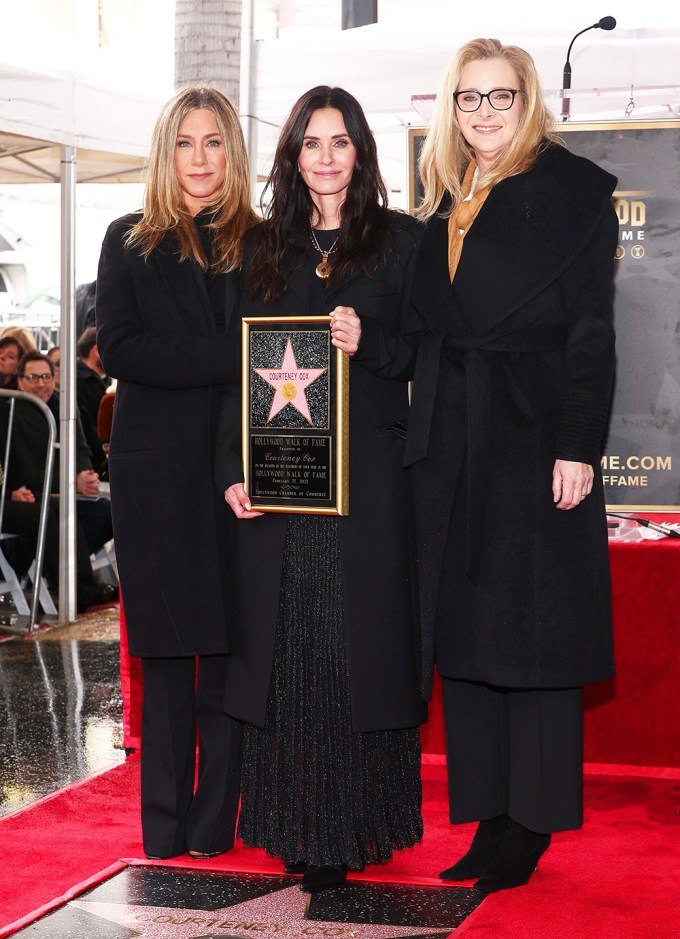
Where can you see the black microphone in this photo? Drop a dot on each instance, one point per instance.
(607, 22)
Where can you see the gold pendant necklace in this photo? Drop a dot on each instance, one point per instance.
(323, 268)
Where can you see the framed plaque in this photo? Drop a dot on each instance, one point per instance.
(295, 416)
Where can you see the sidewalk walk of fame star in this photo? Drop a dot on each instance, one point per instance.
(289, 383)
(280, 914)
(267, 908)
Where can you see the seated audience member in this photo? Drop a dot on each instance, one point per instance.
(85, 296)
(11, 351)
(54, 355)
(29, 451)
(21, 516)
(105, 423)
(91, 385)
(22, 335)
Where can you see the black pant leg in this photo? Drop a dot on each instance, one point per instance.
(514, 752)
(168, 752)
(212, 818)
(476, 751)
(545, 730)
(94, 516)
(23, 518)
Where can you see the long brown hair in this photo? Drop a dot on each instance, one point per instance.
(164, 208)
(446, 154)
(286, 230)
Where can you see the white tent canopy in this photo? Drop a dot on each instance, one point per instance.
(41, 111)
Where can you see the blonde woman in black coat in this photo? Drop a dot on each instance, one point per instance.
(165, 289)
(512, 301)
(324, 667)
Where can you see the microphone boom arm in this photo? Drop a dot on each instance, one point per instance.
(607, 22)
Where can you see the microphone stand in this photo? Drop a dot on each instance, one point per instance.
(607, 22)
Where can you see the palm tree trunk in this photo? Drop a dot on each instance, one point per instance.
(208, 44)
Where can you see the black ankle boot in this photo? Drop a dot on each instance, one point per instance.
(295, 867)
(516, 861)
(484, 848)
(323, 878)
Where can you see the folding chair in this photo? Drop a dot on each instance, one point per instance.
(11, 582)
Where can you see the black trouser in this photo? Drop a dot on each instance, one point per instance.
(514, 752)
(23, 518)
(94, 515)
(180, 699)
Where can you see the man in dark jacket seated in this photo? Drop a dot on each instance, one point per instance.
(21, 516)
(29, 452)
(91, 384)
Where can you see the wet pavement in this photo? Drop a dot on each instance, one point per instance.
(60, 712)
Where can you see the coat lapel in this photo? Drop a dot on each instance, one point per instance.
(526, 235)
(187, 285)
(431, 286)
(298, 285)
(335, 292)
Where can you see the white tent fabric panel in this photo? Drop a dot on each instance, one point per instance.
(39, 111)
(68, 109)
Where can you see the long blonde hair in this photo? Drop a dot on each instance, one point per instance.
(164, 208)
(446, 154)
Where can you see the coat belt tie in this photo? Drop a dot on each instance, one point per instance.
(477, 366)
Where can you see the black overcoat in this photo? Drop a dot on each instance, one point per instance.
(156, 334)
(378, 611)
(514, 370)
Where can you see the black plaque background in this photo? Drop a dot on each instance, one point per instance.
(296, 436)
(306, 449)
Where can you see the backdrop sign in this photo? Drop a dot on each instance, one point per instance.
(641, 461)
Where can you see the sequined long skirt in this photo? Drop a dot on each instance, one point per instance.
(312, 788)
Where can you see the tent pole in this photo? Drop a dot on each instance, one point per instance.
(67, 405)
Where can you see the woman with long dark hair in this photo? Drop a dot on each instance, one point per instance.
(165, 290)
(324, 665)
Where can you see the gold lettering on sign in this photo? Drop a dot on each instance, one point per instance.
(634, 462)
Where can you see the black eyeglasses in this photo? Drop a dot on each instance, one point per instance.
(45, 378)
(500, 99)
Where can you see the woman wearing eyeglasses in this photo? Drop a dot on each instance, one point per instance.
(512, 293)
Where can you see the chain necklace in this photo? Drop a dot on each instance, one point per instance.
(323, 268)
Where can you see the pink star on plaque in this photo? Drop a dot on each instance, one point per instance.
(289, 383)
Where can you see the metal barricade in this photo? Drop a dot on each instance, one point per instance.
(12, 397)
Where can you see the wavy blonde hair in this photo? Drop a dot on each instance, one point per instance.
(164, 207)
(446, 154)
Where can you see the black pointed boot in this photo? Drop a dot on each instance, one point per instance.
(484, 848)
(516, 861)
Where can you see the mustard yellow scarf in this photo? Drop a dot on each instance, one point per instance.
(461, 220)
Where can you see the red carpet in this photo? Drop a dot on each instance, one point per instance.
(615, 879)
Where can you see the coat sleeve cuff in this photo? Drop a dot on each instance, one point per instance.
(584, 418)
